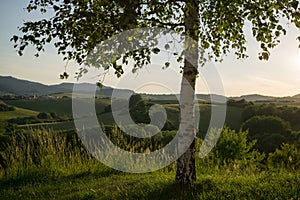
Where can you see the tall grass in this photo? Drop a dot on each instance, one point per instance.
(46, 164)
(45, 152)
(51, 153)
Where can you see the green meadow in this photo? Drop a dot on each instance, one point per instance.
(41, 156)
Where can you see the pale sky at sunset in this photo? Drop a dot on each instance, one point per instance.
(280, 76)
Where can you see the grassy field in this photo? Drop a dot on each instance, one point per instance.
(58, 126)
(158, 185)
(46, 165)
(64, 107)
(18, 112)
(59, 106)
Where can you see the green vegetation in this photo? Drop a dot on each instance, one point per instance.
(43, 164)
(41, 156)
(216, 27)
(18, 112)
(290, 114)
(6, 108)
(59, 106)
(12, 113)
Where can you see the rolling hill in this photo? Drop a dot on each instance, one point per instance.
(13, 86)
(254, 97)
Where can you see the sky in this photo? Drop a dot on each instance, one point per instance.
(280, 76)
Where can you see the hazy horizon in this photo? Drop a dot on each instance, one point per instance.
(19, 78)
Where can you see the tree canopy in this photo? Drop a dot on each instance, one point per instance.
(77, 26)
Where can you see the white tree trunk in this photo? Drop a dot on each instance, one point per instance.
(186, 166)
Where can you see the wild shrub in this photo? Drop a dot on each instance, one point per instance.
(286, 157)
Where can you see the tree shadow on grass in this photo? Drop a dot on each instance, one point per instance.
(36, 177)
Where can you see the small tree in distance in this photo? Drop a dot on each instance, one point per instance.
(77, 26)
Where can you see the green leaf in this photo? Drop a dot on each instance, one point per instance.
(55, 8)
(205, 45)
(180, 59)
(14, 38)
(156, 50)
(167, 46)
(265, 55)
(66, 75)
(295, 4)
(167, 64)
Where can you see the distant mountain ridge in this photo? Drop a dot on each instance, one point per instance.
(297, 96)
(254, 97)
(258, 97)
(13, 86)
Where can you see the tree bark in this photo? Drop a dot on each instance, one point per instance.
(186, 165)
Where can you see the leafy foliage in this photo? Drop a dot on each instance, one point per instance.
(240, 103)
(269, 131)
(287, 157)
(5, 108)
(234, 145)
(288, 113)
(138, 109)
(265, 125)
(77, 27)
(44, 115)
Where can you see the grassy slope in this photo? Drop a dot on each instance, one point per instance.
(153, 186)
(64, 107)
(59, 106)
(19, 112)
(68, 125)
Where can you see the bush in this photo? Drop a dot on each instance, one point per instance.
(5, 108)
(270, 142)
(287, 113)
(239, 103)
(269, 131)
(287, 157)
(44, 115)
(24, 120)
(234, 145)
(266, 125)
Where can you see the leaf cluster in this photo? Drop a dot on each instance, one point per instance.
(77, 27)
